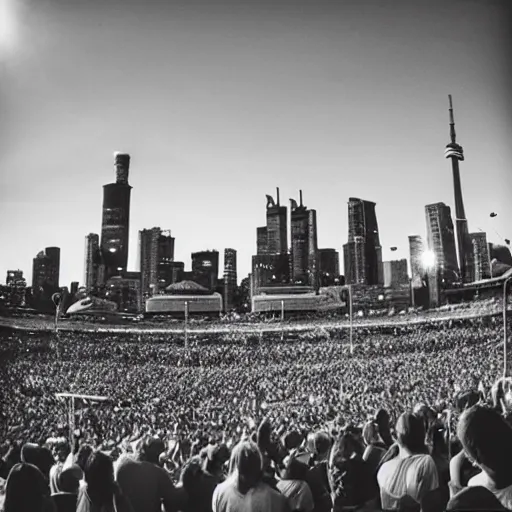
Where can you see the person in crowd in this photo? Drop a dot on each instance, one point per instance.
(293, 484)
(146, 485)
(383, 423)
(197, 486)
(244, 489)
(40, 457)
(101, 493)
(11, 458)
(27, 490)
(351, 482)
(474, 498)
(375, 447)
(409, 476)
(487, 441)
(317, 476)
(66, 492)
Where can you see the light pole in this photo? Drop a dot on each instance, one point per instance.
(57, 300)
(505, 297)
(282, 320)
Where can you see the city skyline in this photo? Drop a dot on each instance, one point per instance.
(231, 103)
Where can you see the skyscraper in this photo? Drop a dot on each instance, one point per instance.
(261, 240)
(16, 287)
(230, 278)
(156, 258)
(45, 271)
(277, 238)
(481, 261)
(362, 252)
(303, 244)
(92, 262)
(328, 266)
(395, 273)
(116, 219)
(441, 240)
(455, 152)
(416, 250)
(205, 268)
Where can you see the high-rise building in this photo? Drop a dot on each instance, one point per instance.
(328, 266)
(125, 291)
(93, 261)
(176, 270)
(156, 258)
(363, 252)
(261, 240)
(205, 268)
(268, 270)
(16, 287)
(116, 219)
(45, 271)
(416, 251)
(230, 278)
(395, 273)
(481, 261)
(455, 152)
(441, 241)
(304, 249)
(277, 227)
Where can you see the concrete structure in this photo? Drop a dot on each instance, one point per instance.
(205, 268)
(480, 260)
(156, 257)
(363, 252)
(174, 305)
(270, 269)
(261, 240)
(416, 250)
(93, 275)
(455, 152)
(277, 226)
(303, 244)
(125, 291)
(45, 270)
(116, 219)
(441, 241)
(395, 273)
(328, 266)
(230, 278)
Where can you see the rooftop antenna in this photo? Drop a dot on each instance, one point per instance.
(452, 122)
(277, 196)
(300, 197)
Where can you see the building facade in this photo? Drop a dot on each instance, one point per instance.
(481, 260)
(93, 275)
(16, 286)
(205, 269)
(441, 241)
(230, 278)
(268, 270)
(125, 291)
(328, 266)
(116, 219)
(261, 240)
(363, 252)
(45, 271)
(416, 251)
(395, 273)
(277, 227)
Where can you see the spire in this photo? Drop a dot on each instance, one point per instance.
(452, 122)
(300, 197)
(277, 197)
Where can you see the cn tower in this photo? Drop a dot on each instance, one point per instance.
(455, 152)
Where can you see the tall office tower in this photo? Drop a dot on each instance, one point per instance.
(455, 153)
(277, 239)
(45, 270)
(156, 258)
(395, 273)
(441, 240)
(328, 266)
(416, 250)
(230, 278)
(303, 244)
(92, 262)
(17, 286)
(13, 277)
(116, 219)
(261, 240)
(481, 261)
(205, 268)
(363, 252)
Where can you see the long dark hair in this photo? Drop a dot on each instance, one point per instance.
(99, 475)
(26, 489)
(382, 420)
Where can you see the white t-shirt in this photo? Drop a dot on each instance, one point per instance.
(412, 476)
(262, 498)
(504, 495)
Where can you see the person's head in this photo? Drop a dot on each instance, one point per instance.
(345, 447)
(487, 439)
(321, 443)
(371, 433)
(40, 457)
(62, 450)
(99, 476)
(83, 455)
(410, 431)
(26, 489)
(215, 456)
(69, 479)
(247, 461)
(151, 449)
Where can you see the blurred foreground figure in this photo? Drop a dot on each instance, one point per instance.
(244, 490)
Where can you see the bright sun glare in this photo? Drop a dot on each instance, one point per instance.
(428, 259)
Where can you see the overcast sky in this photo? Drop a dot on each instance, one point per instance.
(219, 102)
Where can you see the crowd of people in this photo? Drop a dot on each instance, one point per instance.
(269, 421)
